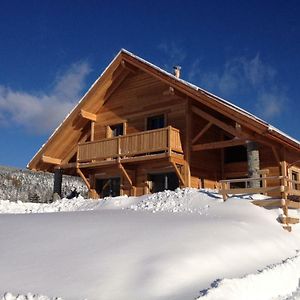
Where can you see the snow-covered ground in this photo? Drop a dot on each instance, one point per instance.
(185, 244)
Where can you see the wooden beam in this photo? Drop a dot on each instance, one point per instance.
(178, 173)
(66, 166)
(268, 203)
(83, 178)
(115, 84)
(88, 115)
(129, 67)
(248, 190)
(218, 145)
(125, 173)
(228, 128)
(51, 160)
(276, 154)
(202, 131)
(82, 139)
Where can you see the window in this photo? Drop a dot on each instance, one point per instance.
(235, 154)
(117, 130)
(156, 122)
(109, 187)
(163, 181)
(295, 177)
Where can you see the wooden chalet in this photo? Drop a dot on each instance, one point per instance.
(140, 129)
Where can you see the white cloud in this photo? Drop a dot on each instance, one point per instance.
(270, 104)
(239, 73)
(241, 77)
(172, 55)
(41, 112)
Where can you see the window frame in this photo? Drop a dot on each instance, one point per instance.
(295, 172)
(153, 116)
(109, 130)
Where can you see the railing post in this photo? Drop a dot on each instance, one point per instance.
(283, 180)
(263, 174)
(78, 154)
(283, 187)
(119, 147)
(223, 190)
(291, 184)
(169, 132)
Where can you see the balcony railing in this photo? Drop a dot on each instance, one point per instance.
(143, 143)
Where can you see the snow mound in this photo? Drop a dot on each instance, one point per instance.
(118, 249)
(294, 296)
(29, 296)
(276, 282)
(181, 200)
(19, 207)
(186, 200)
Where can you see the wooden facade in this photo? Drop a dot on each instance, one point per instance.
(139, 129)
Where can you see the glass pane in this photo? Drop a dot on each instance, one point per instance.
(156, 122)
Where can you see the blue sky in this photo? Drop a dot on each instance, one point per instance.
(52, 51)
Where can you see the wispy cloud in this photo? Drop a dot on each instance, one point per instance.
(172, 54)
(243, 77)
(41, 112)
(271, 103)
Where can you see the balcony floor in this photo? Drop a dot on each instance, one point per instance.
(128, 160)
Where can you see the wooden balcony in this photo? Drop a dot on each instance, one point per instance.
(139, 146)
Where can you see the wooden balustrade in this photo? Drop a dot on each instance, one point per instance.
(276, 184)
(143, 143)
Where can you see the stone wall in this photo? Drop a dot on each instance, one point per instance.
(26, 185)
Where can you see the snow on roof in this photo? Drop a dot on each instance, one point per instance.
(215, 97)
(188, 84)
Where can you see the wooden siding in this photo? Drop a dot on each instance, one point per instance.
(138, 97)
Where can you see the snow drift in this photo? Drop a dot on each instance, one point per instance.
(169, 245)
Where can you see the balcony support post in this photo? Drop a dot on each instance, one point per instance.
(58, 173)
(127, 177)
(92, 192)
(177, 171)
(79, 172)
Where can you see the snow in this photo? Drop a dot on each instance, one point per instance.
(170, 245)
(20, 207)
(28, 296)
(278, 279)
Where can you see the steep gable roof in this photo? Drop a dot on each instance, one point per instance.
(100, 91)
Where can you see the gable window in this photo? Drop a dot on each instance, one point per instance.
(117, 130)
(156, 122)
